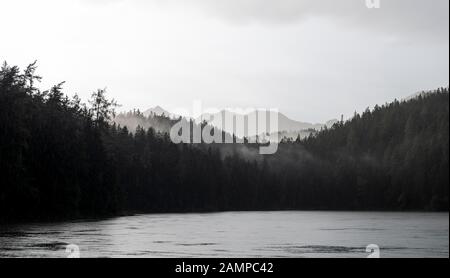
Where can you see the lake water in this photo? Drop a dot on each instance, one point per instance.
(236, 234)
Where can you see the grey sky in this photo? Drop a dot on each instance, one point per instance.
(312, 59)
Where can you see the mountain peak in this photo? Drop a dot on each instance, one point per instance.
(157, 110)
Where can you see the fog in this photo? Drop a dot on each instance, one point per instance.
(313, 60)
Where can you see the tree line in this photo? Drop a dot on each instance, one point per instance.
(61, 158)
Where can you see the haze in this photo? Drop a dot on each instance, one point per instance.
(311, 59)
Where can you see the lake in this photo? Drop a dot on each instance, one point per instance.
(236, 234)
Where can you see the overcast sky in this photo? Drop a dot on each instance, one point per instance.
(312, 59)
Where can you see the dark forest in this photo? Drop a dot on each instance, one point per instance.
(63, 159)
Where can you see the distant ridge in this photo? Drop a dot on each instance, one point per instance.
(158, 111)
(285, 124)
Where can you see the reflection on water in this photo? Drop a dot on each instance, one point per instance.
(237, 234)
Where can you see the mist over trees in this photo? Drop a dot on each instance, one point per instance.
(392, 157)
(60, 158)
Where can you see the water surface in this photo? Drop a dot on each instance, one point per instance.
(236, 234)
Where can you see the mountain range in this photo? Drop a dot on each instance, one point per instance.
(286, 127)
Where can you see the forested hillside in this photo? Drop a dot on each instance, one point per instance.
(60, 158)
(392, 157)
(400, 150)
